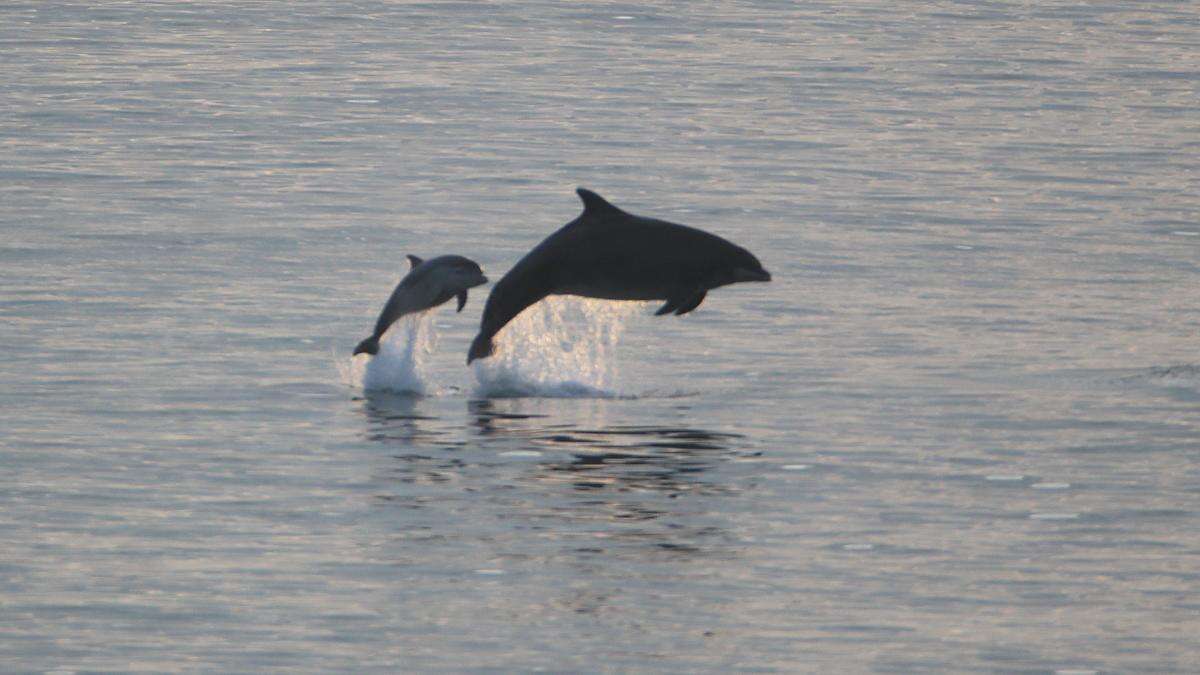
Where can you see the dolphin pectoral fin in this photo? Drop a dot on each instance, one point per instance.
(682, 303)
(671, 306)
(691, 303)
(413, 261)
(462, 300)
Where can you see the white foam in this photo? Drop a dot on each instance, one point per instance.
(400, 365)
(562, 347)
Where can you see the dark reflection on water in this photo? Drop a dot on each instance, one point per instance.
(670, 460)
(396, 418)
(561, 489)
(620, 458)
(488, 420)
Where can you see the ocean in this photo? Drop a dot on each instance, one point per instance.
(958, 432)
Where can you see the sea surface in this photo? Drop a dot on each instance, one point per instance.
(959, 431)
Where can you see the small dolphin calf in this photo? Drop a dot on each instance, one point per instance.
(613, 255)
(428, 284)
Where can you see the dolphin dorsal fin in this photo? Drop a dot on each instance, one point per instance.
(594, 204)
(413, 261)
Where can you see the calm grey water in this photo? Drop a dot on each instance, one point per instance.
(959, 432)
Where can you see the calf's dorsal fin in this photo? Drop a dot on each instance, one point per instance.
(413, 261)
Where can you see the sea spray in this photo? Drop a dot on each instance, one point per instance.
(400, 365)
(563, 346)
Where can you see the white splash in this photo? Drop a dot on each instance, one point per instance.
(400, 364)
(561, 347)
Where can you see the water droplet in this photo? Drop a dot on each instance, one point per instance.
(795, 467)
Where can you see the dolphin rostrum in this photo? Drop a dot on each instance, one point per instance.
(428, 284)
(613, 255)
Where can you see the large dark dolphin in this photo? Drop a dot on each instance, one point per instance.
(428, 284)
(613, 255)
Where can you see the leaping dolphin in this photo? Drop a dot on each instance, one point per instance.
(613, 255)
(428, 284)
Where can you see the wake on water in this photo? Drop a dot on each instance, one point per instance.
(561, 347)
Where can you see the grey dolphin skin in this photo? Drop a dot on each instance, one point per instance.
(613, 255)
(428, 284)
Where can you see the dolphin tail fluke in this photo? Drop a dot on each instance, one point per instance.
(368, 346)
(481, 348)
